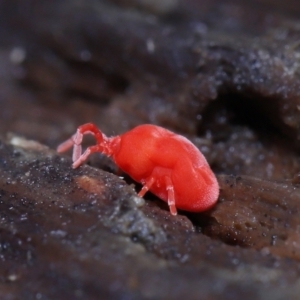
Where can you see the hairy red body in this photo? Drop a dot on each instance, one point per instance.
(165, 163)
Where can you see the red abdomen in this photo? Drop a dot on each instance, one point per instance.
(151, 151)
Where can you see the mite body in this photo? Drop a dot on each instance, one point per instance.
(165, 163)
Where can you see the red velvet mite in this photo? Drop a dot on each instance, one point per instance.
(165, 163)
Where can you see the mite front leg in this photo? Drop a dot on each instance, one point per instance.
(77, 148)
(66, 145)
(75, 142)
(88, 128)
(83, 157)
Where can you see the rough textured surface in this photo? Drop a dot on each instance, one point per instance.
(223, 73)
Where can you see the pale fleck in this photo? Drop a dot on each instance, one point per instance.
(17, 55)
(138, 201)
(150, 45)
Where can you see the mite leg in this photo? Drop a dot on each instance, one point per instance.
(147, 185)
(83, 157)
(76, 140)
(171, 196)
(66, 145)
